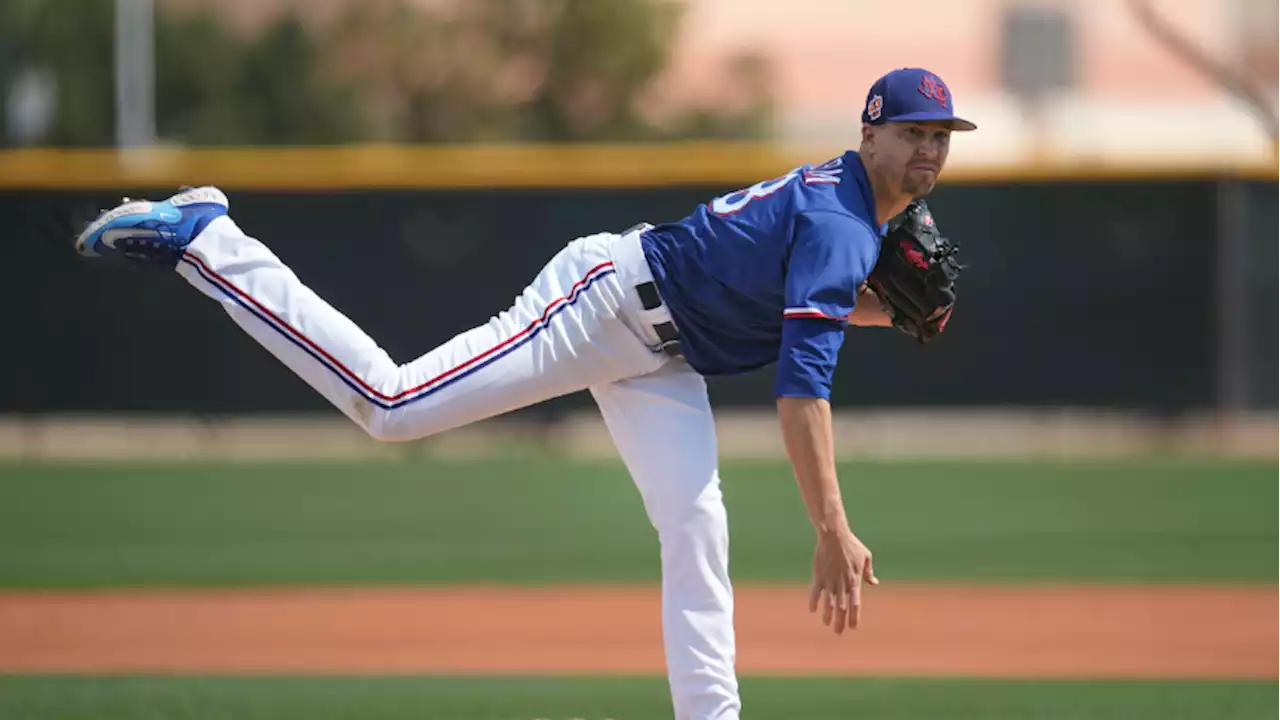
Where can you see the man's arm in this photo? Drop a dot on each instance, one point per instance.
(841, 560)
(831, 256)
(806, 431)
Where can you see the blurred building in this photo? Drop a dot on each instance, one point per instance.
(1127, 95)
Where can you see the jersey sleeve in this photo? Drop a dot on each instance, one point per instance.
(831, 255)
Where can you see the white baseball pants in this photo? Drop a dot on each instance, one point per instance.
(579, 325)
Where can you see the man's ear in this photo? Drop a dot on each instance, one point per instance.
(868, 140)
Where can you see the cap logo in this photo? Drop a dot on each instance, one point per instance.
(875, 107)
(933, 88)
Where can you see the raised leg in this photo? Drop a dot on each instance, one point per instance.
(562, 335)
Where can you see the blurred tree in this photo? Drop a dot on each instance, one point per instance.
(540, 70)
(420, 76)
(748, 112)
(600, 57)
(212, 87)
(10, 17)
(70, 40)
(385, 70)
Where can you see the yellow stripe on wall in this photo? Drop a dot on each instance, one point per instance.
(516, 166)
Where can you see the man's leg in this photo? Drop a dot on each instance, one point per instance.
(562, 335)
(663, 427)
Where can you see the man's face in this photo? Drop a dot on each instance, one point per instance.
(908, 156)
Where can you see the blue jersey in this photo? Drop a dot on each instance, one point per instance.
(770, 274)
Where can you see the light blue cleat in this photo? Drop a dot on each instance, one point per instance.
(153, 232)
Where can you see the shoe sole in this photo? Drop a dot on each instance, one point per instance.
(137, 207)
(194, 196)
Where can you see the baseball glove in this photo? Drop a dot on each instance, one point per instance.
(916, 273)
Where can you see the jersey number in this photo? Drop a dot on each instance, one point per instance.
(735, 201)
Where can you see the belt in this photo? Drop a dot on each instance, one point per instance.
(633, 270)
(668, 335)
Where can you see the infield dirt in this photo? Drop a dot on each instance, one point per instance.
(909, 629)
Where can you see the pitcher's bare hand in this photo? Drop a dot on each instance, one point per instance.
(840, 563)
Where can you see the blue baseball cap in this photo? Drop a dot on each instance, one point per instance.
(911, 95)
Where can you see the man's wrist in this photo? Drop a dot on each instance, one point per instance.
(831, 519)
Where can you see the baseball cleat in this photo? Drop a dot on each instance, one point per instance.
(152, 232)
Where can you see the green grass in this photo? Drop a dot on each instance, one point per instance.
(534, 520)
(144, 698)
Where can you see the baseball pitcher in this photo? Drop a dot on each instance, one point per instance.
(772, 274)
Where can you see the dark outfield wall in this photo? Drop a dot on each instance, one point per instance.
(1083, 294)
